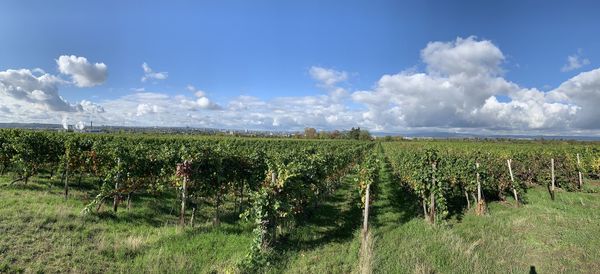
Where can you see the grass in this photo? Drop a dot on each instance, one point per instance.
(41, 232)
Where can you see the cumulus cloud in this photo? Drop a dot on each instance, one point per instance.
(582, 91)
(463, 88)
(463, 56)
(149, 74)
(33, 95)
(90, 107)
(36, 91)
(83, 73)
(575, 61)
(200, 100)
(327, 77)
(143, 109)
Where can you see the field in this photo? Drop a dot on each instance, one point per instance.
(293, 206)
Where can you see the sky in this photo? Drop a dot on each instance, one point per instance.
(518, 67)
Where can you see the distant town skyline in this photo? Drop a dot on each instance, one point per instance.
(489, 67)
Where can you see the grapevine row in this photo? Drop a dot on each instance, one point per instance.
(438, 172)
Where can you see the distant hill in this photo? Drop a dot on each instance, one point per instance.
(30, 125)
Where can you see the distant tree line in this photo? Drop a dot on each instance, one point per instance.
(352, 134)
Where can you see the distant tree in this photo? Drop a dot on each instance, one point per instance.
(324, 135)
(310, 133)
(354, 133)
(364, 135)
(336, 134)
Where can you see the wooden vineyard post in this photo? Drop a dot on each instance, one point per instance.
(478, 183)
(116, 196)
(183, 199)
(480, 203)
(579, 171)
(129, 201)
(183, 170)
(366, 211)
(271, 226)
(67, 182)
(193, 216)
(216, 219)
(366, 242)
(432, 208)
(468, 201)
(552, 187)
(512, 179)
(432, 197)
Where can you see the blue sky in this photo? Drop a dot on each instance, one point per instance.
(266, 49)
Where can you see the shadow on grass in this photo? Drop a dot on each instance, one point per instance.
(132, 217)
(150, 209)
(33, 186)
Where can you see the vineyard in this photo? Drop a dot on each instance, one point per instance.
(185, 203)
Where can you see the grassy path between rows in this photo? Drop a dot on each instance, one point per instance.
(541, 237)
(329, 240)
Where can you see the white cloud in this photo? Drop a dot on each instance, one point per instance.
(143, 109)
(463, 56)
(201, 101)
(149, 74)
(575, 61)
(328, 80)
(90, 107)
(39, 92)
(33, 95)
(83, 73)
(463, 88)
(243, 112)
(582, 91)
(327, 77)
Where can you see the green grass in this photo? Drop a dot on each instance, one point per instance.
(41, 232)
(559, 236)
